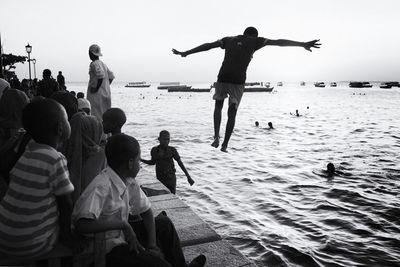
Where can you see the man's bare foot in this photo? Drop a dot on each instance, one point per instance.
(224, 148)
(216, 142)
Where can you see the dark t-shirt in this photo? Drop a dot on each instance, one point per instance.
(164, 160)
(239, 51)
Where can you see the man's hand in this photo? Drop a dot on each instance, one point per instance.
(176, 52)
(132, 240)
(311, 44)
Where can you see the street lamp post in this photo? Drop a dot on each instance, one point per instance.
(29, 50)
(34, 67)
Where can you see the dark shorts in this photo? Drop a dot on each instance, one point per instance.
(235, 92)
(169, 180)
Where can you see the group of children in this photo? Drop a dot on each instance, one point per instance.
(38, 212)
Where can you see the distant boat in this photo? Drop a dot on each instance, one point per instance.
(279, 84)
(258, 89)
(255, 87)
(187, 89)
(252, 83)
(333, 84)
(175, 85)
(319, 84)
(138, 84)
(303, 83)
(360, 85)
(388, 85)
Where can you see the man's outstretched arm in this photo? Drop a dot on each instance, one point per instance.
(200, 48)
(284, 42)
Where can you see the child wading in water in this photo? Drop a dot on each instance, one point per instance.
(163, 157)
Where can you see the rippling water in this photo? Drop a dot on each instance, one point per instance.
(269, 196)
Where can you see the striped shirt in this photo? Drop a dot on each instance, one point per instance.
(28, 211)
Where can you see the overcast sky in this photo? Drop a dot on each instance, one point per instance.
(360, 38)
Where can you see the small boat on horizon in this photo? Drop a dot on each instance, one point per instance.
(138, 84)
(173, 85)
(258, 87)
(302, 83)
(388, 85)
(385, 86)
(333, 84)
(360, 85)
(187, 89)
(319, 84)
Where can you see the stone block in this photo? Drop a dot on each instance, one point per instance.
(218, 253)
(190, 227)
(167, 204)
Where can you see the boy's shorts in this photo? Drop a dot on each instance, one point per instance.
(235, 92)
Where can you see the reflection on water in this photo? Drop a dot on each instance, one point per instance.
(269, 195)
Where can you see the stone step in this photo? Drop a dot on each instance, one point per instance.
(197, 237)
(218, 253)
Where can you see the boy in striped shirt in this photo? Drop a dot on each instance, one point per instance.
(36, 211)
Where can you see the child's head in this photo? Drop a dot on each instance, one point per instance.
(123, 154)
(69, 102)
(113, 120)
(270, 125)
(256, 123)
(330, 168)
(80, 95)
(46, 121)
(84, 105)
(164, 138)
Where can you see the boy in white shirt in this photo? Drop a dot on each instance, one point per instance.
(113, 197)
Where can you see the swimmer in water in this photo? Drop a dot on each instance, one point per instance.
(297, 114)
(330, 169)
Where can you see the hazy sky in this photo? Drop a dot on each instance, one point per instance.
(360, 38)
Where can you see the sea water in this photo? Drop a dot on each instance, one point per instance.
(269, 196)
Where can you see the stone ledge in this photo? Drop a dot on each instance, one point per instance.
(218, 253)
(189, 226)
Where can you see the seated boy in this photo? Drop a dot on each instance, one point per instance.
(104, 206)
(163, 157)
(35, 212)
(107, 202)
(113, 120)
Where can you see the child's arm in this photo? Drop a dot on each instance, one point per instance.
(284, 42)
(180, 163)
(149, 224)
(64, 203)
(84, 226)
(150, 162)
